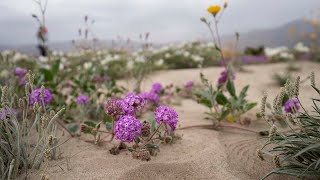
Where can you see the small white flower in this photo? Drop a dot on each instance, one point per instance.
(130, 65)
(140, 59)
(197, 58)
(270, 52)
(186, 54)
(87, 65)
(167, 55)
(63, 60)
(300, 47)
(43, 59)
(4, 73)
(116, 57)
(286, 55)
(61, 67)
(159, 62)
(6, 53)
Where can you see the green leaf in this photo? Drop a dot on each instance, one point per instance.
(249, 106)
(73, 127)
(152, 146)
(137, 140)
(152, 122)
(90, 124)
(224, 114)
(243, 92)
(308, 148)
(55, 67)
(221, 99)
(48, 76)
(315, 88)
(230, 87)
(204, 98)
(109, 126)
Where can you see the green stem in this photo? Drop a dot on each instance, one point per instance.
(150, 137)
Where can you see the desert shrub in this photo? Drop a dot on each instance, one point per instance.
(28, 134)
(222, 106)
(281, 78)
(295, 152)
(254, 51)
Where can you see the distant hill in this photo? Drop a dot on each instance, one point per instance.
(278, 36)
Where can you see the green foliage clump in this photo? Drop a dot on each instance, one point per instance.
(295, 152)
(27, 135)
(224, 106)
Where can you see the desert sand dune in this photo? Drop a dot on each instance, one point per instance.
(201, 153)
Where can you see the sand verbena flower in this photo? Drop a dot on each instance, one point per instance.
(37, 96)
(82, 99)
(114, 107)
(127, 128)
(166, 115)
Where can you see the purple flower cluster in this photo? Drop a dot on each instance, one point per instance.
(288, 108)
(254, 59)
(127, 106)
(134, 102)
(166, 115)
(127, 128)
(188, 84)
(6, 113)
(114, 107)
(150, 97)
(21, 73)
(156, 88)
(82, 100)
(223, 78)
(35, 96)
(153, 95)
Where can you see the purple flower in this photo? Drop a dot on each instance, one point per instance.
(22, 81)
(188, 84)
(6, 113)
(35, 96)
(20, 72)
(156, 88)
(223, 78)
(254, 59)
(127, 128)
(135, 101)
(82, 100)
(166, 115)
(126, 108)
(114, 107)
(288, 108)
(150, 97)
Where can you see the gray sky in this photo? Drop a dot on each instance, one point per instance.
(166, 20)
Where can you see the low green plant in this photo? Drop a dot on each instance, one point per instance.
(27, 134)
(224, 106)
(281, 79)
(295, 152)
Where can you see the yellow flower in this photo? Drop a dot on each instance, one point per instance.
(313, 36)
(214, 9)
(231, 119)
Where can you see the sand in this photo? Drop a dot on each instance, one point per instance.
(200, 154)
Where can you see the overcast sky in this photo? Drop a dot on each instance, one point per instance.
(166, 20)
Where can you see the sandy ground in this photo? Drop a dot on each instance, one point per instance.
(201, 153)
